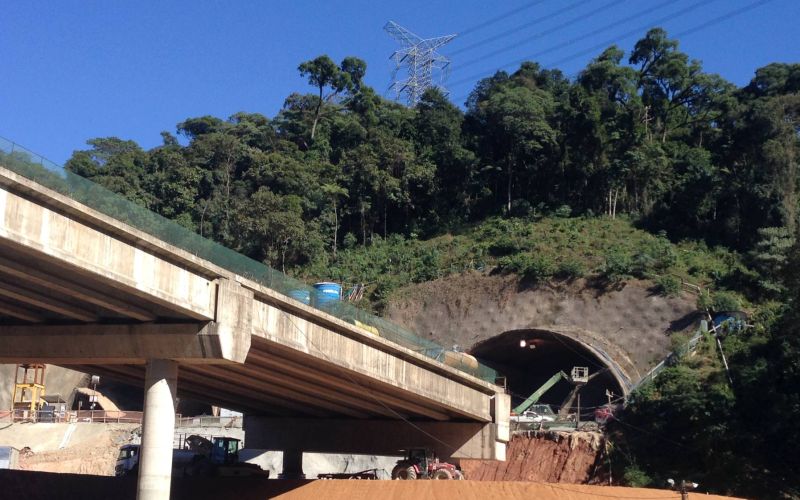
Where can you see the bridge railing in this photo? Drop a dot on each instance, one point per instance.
(72, 416)
(42, 171)
(671, 359)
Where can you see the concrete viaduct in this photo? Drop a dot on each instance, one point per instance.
(81, 289)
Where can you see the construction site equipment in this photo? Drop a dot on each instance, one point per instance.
(199, 457)
(533, 398)
(578, 378)
(127, 460)
(421, 463)
(603, 414)
(356, 293)
(730, 321)
(579, 375)
(529, 415)
(536, 414)
(28, 394)
(9, 457)
(369, 474)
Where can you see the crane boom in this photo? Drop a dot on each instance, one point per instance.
(533, 398)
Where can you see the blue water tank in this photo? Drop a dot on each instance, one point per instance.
(303, 296)
(733, 321)
(327, 293)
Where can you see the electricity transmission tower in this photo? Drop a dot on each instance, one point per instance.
(419, 56)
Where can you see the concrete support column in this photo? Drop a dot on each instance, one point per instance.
(155, 455)
(292, 465)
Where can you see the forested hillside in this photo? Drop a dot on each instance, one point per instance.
(649, 135)
(641, 165)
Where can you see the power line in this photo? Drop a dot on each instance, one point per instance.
(609, 26)
(549, 31)
(499, 18)
(518, 28)
(684, 33)
(632, 32)
(723, 17)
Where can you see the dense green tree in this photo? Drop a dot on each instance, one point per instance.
(516, 137)
(323, 73)
(115, 164)
(439, 141)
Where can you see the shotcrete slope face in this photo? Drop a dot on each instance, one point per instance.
(573, 323)
(526, 368)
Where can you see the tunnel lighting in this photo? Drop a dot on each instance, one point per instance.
(523, 343)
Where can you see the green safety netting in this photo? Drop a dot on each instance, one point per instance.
(55, 177)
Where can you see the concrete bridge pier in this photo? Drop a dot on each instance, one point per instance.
(155, 459)
(292, 465)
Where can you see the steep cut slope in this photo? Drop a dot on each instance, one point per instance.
(552, 457)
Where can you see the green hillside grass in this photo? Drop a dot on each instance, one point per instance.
(609, 251)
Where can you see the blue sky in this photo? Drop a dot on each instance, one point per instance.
(71, 70)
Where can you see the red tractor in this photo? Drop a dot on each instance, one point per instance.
(421, 463)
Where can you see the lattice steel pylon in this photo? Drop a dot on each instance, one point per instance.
(420, 57)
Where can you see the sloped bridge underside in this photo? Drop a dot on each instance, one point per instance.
(80, 289)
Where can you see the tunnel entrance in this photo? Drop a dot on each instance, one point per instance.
(527, 368)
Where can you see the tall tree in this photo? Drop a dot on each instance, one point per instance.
(516, 134)
(323, 73)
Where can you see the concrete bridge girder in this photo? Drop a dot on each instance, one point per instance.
(222, 341)
(83, 289)
(32, 229)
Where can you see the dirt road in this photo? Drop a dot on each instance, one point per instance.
(48, 486)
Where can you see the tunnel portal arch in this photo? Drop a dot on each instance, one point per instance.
(526, 368)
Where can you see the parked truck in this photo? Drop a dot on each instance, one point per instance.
(198, 457)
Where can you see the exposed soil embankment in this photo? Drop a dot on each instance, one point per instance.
(552, 457)
(78, 448)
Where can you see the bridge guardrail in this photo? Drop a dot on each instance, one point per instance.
(51, 175)
(669, 360)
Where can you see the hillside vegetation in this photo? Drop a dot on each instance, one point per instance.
(643, 165)
(539, 249)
